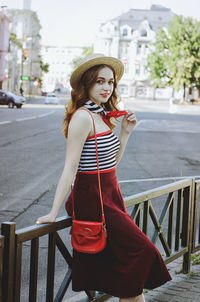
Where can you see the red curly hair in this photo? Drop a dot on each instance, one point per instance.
(79, 96)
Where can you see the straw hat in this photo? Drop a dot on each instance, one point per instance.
(93, 60)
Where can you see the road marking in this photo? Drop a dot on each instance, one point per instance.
(157, 179)
(25, 118)
(45, 114)
(6, 122)
(28, 118)
(167, 126)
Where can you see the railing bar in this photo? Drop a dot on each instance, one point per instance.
(178, 219)
(8, 231)
(175, 255)
(166, 208)
(162, 216)
(18, 267)
(195, 213)
(170, 224)
(146, 217)
(33, 270)
(136, 214)
(187, 225)
(157, 192)
(1, 265)
(159, 230)
(64, 286)
(32, 232)
(135, 211)
(51, 267)
(185, 222)
(63, 250)
(197, 196)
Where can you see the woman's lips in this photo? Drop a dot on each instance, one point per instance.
(105, 95)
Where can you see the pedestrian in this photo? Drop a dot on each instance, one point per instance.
(21, 90)
(129, 262)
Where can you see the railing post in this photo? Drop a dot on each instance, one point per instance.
(196, 224)
(8, 231)
(1, 265)
(188, 205)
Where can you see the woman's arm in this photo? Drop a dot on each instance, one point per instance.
(127, 125)
(79, 128)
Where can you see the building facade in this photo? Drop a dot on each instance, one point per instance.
(128, 38)
(60, 60)
(24, 61)
(4, 44)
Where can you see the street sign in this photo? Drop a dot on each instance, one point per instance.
(24, 78)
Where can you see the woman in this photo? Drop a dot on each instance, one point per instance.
(129, 261)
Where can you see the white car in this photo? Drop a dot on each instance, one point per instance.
(51, 98)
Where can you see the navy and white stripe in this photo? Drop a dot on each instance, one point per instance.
(93, 107)
(108, 145)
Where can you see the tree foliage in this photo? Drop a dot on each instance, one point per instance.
(45, 69)
(14, 40)
(44, 66)
(175, 56)
(86, 51)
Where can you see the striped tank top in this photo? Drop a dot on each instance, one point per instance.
(108, 144)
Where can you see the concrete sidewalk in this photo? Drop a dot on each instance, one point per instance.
(162, 106)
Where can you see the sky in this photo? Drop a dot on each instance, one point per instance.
(76, 22)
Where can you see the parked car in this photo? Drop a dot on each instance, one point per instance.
(51, 98)
(11, 100)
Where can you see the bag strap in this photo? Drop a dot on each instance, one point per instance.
(98, 173)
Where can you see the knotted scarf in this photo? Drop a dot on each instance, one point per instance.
(93, 107)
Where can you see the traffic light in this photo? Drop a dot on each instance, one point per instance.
(25, 54)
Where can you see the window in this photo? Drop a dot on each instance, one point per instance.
(139, 48)
(143, 33)
(125, 32)
(123, 89)
(137, 70)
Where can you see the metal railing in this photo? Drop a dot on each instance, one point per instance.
(167, 215)
(1, 264)
(196, 219)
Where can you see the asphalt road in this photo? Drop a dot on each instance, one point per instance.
(164, 146)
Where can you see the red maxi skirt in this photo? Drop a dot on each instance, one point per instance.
(130, 262)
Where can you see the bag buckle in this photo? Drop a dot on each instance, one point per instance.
(87, 231)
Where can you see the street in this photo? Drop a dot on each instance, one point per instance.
(163, 148)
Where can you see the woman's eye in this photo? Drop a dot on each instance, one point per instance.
(111, 83)
(99, 82)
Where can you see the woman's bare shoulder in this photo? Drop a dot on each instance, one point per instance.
(82, 114)
(81, 121)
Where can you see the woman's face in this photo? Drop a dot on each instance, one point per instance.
(103, 88)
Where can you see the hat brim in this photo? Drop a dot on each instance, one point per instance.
(114, 63)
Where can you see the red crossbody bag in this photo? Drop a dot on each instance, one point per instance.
(89, 236)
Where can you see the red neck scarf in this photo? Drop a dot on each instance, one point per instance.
(93, 107)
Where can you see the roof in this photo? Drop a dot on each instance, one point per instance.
(157, 15)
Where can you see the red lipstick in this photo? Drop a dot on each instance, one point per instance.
(105, 95)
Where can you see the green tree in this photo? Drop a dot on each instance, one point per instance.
(175, 57)
(15, 41)
(86, 51)
(45, 69)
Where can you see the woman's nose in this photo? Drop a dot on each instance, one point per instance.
(106, 86)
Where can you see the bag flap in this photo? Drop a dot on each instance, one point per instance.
(87, 228)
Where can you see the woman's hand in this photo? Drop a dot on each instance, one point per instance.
(128, 123)
(49, 218)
